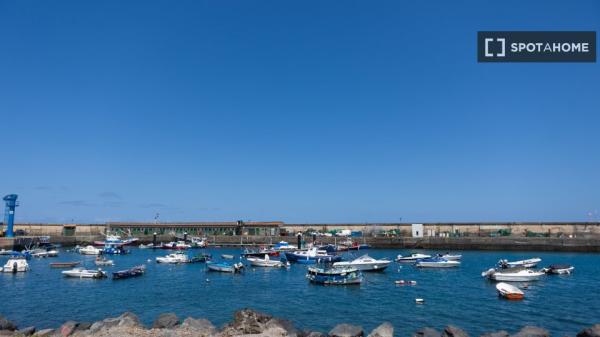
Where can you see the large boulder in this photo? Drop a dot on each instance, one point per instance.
(166, 321)
(45, 333)
(282, 327)
(501, 333)
(532, 331)
(346, 330)
(453, 331)
(593, 331)
(199, 327)
(28, 331)
(68, 328)
(384, 330)
(246, 322)
(426, 332)
(126, 319)
(5, 324)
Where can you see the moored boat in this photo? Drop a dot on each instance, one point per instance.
(411, 258)
(225, 267)
(227, 256)
(179, 245)
(112, 249)
(200, 258)
(365, 263)
(173, 258)
(559, 269)
(450, 257)
(311, 256)
(265, 262)
(127, 273)
(522, 275)
(64, 264)
(529, 263)
(17, 263)
(84, 273)
(90, 250)
(334, 276)
(509, 291)
(259, 252)
(102, 261)
(436, 262)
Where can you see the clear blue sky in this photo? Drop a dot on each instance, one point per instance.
(301, 111)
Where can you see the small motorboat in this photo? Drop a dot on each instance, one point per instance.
(411, 258)
(227, 256)
(85, 273)
(6, 252)
(259, 253)
(334, 276)
(114, 250)
(179, 245)
(509, 291)
(173, 258)
(102, 261)
(197, 242)
(529, 263)
(64, 264)
(128, 273)
(436, 262)
(312, 256)
(450, 257)
(16, 264)
(522, 275)
(90, 250)
(225, 267)
(284, 246)
(365, 263)
(559, 269)
(40, 253)
(265, 262)
(200, 258)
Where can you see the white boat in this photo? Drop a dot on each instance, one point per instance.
(559, 269)
(227, 256)
(16, 264)
(450, 257)
(365, 263)
(90, 250)
(173, 258)
(265, 262)
(529, 263)
(509, 291)
(523, 275)
(84, 273)
(412, 257)
(104, 262)
(436, 262)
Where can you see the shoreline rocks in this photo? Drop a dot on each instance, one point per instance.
(246, 323)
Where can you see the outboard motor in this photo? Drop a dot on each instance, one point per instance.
(15, 268)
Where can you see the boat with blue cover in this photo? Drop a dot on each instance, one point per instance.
(128, 273)
(312, 256)
(200, 258)
(436, 262)
(225, 267)
(113, 249)
(334, 276)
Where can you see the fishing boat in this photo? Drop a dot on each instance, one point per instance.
(90, 250)
(227, 256)
(16, 263)
(85, 273)
(509, 291)
(529, 263)
(411, 258)
(352, 245)
(265, 262)
(225, 267)
(112, 249)
(311, 256)
(197, 242)
(102, 261)
(436, 262)
(64, 264)
(450, 257)
(113, 239)
(522, 275)
(173, 258)
(365, 263)
(127, 273)
(179, 245)
(559, 269)
(284, 246)
(334, 276)
(200, 258)
(259, 252)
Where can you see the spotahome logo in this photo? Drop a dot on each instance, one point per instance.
(536, 46)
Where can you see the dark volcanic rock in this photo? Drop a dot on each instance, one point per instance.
(593, 331)
(28, 331)
(426, 332)
(500, 333)
(346, 330)
(284, 326)
(452, 331)
(82, 326)
(6, 324)
(127, 319)
(201, 327)
(245, 322)
(532, 331)
(166, 321)
(384, 330)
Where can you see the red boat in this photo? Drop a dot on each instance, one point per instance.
(259, 253)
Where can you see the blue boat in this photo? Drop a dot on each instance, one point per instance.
(312, 256)
(225, 267)
(133, 272)
(334, 276)
(114, 250)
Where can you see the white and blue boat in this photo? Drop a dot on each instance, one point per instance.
(334, 276)
(112, 249)
(312, 256)
(436, 262)
(225, 267)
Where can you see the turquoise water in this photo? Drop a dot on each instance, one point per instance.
(562, 304)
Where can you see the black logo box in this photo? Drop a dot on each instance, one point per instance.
(496, 52)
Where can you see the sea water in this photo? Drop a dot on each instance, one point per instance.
(563, 304)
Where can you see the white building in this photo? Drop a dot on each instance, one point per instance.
(417, 230)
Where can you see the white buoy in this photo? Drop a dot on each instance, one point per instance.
(399, 282)
(419, 300)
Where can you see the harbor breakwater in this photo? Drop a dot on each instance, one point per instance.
(246, 322)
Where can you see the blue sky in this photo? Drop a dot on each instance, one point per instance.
(300, 111)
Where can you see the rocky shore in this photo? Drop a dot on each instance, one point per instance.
(246, 322)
